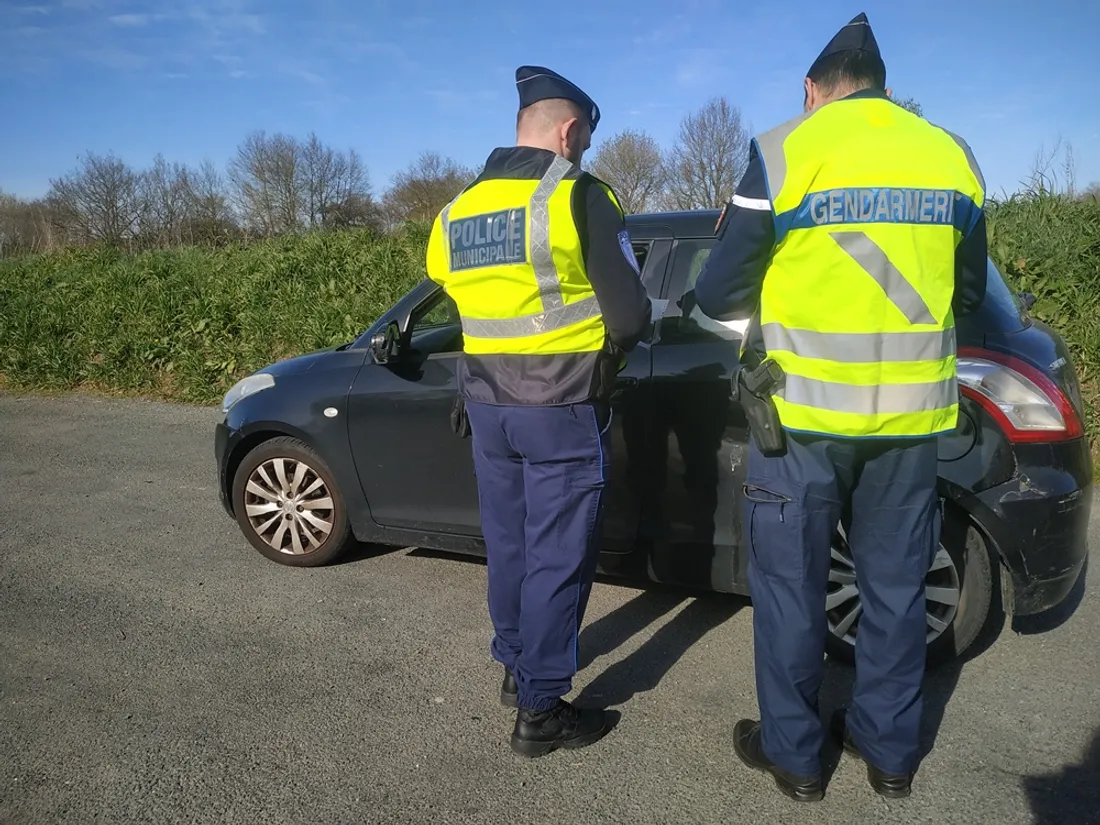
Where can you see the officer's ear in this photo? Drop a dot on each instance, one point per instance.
(573, 139)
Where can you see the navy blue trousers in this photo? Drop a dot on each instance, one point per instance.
(541, 473)
(793, 505)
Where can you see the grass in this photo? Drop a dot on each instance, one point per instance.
(184, 324)
(1050, 245)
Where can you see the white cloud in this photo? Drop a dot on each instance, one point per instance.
(129, 19)
(114, 58)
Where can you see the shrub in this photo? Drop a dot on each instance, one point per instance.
(186, 323)
(1049, 245)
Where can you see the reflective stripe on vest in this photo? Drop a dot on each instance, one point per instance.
(556, 314)
(867, 348)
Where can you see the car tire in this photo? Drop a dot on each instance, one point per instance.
(973, 572)
(288, 505)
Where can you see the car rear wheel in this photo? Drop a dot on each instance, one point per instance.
(288, 506)
(959, 593)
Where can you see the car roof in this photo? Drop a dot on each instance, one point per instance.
(690, 223)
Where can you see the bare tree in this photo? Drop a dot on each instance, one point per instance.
(335, 184)
(28, 226)
(12, 239)
(267, 182)
(709, 157)
(358, 211)
(102, 200)
(168, 199)
(910, 104)
(317, 169)
(211, 216)
(419, 192)
(631, 163)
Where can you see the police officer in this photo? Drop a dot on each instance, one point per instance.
(536, 255)
(854, 239)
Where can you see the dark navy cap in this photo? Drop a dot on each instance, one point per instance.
(536, 83)
(856, 36)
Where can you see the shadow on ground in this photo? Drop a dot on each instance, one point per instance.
(643, 669)
(1075, 791)
(1069, 796)
(364, 552)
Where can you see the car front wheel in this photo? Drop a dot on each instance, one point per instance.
(288, 506)
(959, 595)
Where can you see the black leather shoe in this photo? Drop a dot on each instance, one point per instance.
(538, 732)
(888, 785)
(749, 746)
(509, 692)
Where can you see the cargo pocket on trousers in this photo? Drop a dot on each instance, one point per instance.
(776, 521)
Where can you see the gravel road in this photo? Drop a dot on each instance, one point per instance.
(155, 669)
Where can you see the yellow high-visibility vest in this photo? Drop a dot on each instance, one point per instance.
(508, 252)
(869, 203)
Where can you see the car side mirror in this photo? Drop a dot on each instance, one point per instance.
(385, 346)
(1028, 300)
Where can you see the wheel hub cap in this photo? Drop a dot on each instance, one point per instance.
(844, 605)
(289, 505)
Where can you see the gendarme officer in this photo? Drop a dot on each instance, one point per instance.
(536, 256)
(854, 238)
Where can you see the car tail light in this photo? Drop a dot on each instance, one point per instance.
(1027, 404)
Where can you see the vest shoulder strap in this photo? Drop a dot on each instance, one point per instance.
(769, 148)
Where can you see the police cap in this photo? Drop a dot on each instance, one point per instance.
(856, 36)
(536, 83)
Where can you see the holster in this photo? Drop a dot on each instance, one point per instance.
(752, 389)
(460, 419)
(609, 364)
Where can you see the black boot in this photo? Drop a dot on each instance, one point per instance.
(749, 746)
(888, 785)
(538, 732)
(509, 692)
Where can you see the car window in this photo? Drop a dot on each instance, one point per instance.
(687, 262)
(443, 312)
(436, 327)
(1001, 299)
(641, 250)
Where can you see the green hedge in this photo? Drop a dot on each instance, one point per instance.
(1050, 245)
(185, 323)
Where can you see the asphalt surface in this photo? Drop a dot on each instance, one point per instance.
(155, 669)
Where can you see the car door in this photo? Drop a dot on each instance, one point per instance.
(697, 446)
(417, 474)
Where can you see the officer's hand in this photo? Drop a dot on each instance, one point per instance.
(687, 302)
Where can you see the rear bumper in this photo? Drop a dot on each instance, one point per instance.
(1039, 521)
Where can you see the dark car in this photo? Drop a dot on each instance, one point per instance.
(355, 443)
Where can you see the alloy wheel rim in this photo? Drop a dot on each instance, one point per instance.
(289, 506)
(844, 604)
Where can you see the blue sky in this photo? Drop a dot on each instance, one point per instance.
(190, 79)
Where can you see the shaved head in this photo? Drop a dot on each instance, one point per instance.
(547, 115)
(556, 124)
